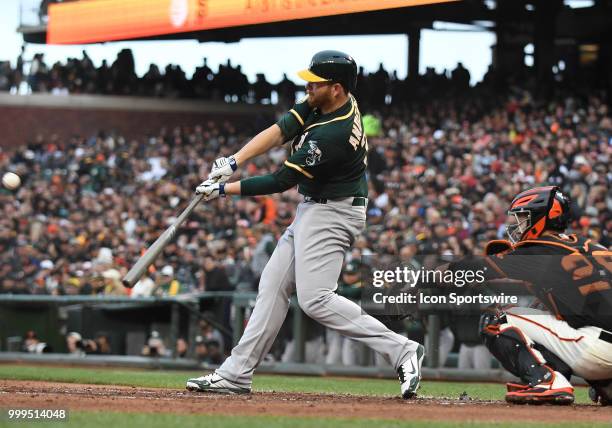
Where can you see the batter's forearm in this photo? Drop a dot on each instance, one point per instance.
(261, 185)
(261, 143)
(278, 182)
(283, 179)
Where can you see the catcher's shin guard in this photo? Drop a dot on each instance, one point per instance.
(521, 357)
(516, 354)
(513, 349)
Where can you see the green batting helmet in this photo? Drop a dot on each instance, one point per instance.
(332, 66)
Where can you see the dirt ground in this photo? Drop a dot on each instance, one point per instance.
(150, 400)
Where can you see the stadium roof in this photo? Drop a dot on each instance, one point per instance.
(103, 20)
(88, 21)
(279, 18)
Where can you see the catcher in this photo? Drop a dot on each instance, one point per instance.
(570, 277)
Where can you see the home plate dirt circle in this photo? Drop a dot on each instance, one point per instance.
(77, 397)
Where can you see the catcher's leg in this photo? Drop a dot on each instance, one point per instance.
(543, 382)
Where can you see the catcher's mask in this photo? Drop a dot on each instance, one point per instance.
(536, 210)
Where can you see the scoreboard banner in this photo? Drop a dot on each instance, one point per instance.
(92, 21)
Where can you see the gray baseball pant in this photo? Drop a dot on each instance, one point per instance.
(308, 259)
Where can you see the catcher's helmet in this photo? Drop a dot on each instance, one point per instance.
(332, 66)
(536, 210)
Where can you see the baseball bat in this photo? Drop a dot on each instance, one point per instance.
(141, 265)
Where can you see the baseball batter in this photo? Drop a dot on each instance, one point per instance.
(328, 164)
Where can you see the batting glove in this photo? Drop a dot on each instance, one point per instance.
(210, 190)
(222, 169)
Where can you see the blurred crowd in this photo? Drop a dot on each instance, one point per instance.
(81, 76)
(104, 200)
(228, 83)
(441, 176)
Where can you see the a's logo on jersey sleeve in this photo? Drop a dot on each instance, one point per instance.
(314, 154)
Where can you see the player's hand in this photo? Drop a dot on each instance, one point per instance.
(222, 169)
(210, 190)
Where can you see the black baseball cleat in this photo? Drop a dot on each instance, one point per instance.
(214, 383)
(410, 373)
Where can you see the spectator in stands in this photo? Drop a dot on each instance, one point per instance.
(6, 75)
(103, 344)
(460, 77)
(201, 352)
(208, 351)
(286, 91)
(123, 71)
(152, 81)
(154, 346)
(187, 271)
(215, 277)
(30, 342)
(182, 347)
(239, 269)
(209, 332)
(202, 81)
(112, 283)
(262, 89)
(38, 74)
(264, 248)
(73, 343)
(166, 283)
(33, 345)
(20, 62)
(78, 346)
(240, 87)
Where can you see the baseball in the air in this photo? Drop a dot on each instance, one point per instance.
(11, 181)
